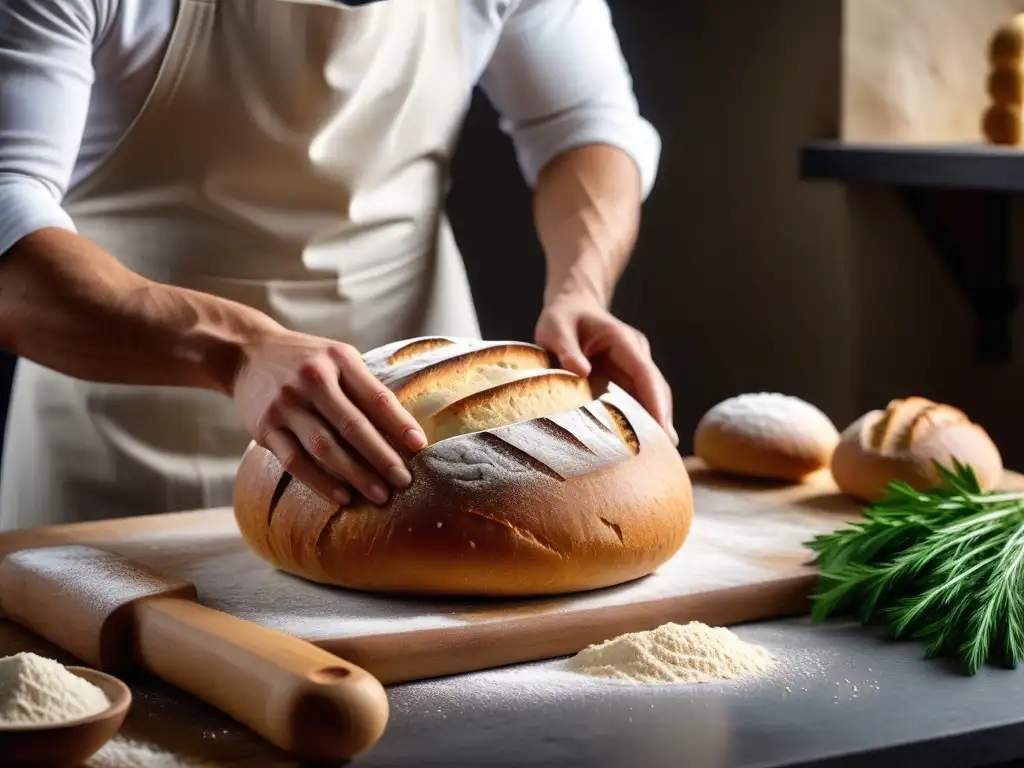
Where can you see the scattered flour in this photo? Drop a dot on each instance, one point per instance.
(674, 653)
(120, 752)
(37, 691)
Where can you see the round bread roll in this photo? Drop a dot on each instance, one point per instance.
(1006, 86)
(1001, 124)
(903, 441)
(535, 482)
(1006, 46)
(767, 435)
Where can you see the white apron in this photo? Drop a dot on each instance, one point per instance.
(292, 156)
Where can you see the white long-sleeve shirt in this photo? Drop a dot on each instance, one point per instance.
(75, 73)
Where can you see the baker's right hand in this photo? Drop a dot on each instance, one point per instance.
(314, 404)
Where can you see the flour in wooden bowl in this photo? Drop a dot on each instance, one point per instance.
(35, 690)
(674, 653)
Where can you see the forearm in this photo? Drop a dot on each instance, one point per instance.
(67, 304)
(587, 213)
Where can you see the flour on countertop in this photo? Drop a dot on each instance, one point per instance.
(120, 752)
(674, 653)
(35, 690)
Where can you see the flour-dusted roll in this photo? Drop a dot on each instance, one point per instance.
(767, 435)
(903, 442)
(536, 481)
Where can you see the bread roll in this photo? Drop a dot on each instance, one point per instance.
(1006, 86)
(535, 482)
(767, 435)
(1001, 124)
(903, 441)
(1006, 46)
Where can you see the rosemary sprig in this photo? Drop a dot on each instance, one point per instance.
(945, 567)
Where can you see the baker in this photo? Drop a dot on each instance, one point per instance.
(209, 207)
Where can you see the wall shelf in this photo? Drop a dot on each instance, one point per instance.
(945, 166)
(960, 197)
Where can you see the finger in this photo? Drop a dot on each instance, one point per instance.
(644, 342)
(647, 380)
(669, 416)
(379, 402)
(296, 462)
(560, 336)
(320, 442)
(358, 432)
(663, 385)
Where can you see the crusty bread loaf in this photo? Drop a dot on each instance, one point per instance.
(903, 441)
(767, 435)
(535, 482)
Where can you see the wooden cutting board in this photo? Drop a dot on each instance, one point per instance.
(744, 561)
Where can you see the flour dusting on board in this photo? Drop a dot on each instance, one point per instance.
(737, 540)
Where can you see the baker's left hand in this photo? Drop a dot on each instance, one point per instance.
(587, 339)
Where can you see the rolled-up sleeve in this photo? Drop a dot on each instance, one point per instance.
(559, 81)
(46, 77)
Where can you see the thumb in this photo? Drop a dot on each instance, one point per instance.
(561, 338)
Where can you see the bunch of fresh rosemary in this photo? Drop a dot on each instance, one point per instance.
(945, 567)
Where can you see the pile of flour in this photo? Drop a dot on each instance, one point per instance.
(38, 691)
(674, 653)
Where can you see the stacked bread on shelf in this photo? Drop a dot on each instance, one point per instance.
(535, 481)
(1001, 122)
(769, 435)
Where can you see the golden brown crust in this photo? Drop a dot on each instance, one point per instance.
(409, 376)
(536, 395)
(903, 442)
(578, 500)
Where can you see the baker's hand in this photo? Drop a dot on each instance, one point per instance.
(315, 405)
(586, 338)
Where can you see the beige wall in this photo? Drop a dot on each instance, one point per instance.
(745, 277)
(914, 70)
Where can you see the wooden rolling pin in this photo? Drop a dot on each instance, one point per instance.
(111, 612)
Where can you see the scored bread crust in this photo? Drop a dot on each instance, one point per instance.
(580, 499)
(765, 435)
(546, 391)
(903, 441)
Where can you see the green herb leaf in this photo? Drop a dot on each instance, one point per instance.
(945, 567)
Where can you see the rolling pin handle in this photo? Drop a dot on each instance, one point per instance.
(300, 698)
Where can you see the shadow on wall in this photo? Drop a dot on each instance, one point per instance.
(742, 277)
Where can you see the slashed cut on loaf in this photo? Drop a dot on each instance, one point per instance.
(903, 441)
(535, 481)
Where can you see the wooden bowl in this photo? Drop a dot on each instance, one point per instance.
(71, 743)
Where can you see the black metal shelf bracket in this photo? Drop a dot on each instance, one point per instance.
(941, 186)
(980, 270)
